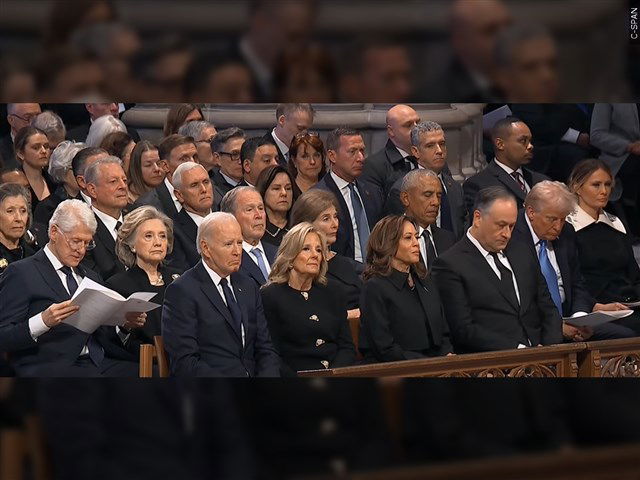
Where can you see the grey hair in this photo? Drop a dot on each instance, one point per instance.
(208, 222)
(229, 201)
(61, 158)
(423, 127)
(8, 190)
(551, 193)
(488, 196)
(514, 35)
(129, 230)
(92, 172)
(50, 123)
(194, 128)
(411, 179)
(101, 127)
(176, 179)
(71, 213)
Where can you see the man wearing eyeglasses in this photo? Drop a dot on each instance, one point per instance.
(35, 294)
(19, 115)
(226, 146)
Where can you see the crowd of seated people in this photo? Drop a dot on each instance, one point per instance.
(260, 253)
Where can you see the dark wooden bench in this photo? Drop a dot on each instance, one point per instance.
(610, 358)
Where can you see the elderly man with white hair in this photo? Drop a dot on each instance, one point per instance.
(35, 295)
(213, 321)
(102, 127)
(541, 225)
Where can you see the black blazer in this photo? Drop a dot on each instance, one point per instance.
(79, 133)
(345, 273)
(493, 176)
(577, 297)
(481, 317)
(29, 287)
(372, 205)
(8, 257)
(220, 185)
(401, 324)
(282, 160)
(103, 259)
(249, 267)
(199, 336)
(383, 168)
(185, 253)
(160, 198)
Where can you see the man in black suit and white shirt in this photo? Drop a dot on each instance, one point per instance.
(429, 147)
(420, 194)
(226, 147)
(246, 204)
(291, 119)
(360, 204)
(493, 292)
(513, 150)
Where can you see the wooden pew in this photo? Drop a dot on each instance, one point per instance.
(610, 358)
(147, 353)
(551, 361)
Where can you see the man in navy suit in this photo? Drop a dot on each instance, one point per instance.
(291, 119)
(246, 204)
(541, 225)
(360, 202)
(35, 294)
(212, 321)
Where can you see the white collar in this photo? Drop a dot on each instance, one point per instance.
(247, 247)
(108, 220)
(215, 278)
(341, 183)
(428, 229)
(474, 240)
(229, 180)
(281, 145)
(402, 152)
(197, 219)
(535, 237)
(87, 198)
(171, 189)
(581, 219)
(507, 169)
(57, 264)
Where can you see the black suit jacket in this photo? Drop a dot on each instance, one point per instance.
(103, 259)
(383, 168)
(480, 315)
(79, 133)
(250, 268)
(443, 239)
(185, 252)
(29, 287)
(577, 297)
(372, 205)
(220, 185)
(160, 198)
(199, 336)
(393, 205)
(495, 176)
(7, 153)
(282, 160)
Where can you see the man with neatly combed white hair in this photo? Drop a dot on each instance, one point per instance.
(35, 295)
(213, 322)
(542, 226)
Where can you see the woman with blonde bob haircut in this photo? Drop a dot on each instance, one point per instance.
(144, 240)
(307, 316)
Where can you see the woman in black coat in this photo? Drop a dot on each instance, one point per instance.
(307, 316)
(401, 312)
(15, 218)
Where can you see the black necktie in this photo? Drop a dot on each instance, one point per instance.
(72, 285)
(506, 278)
(232, 305)
(445, 210)
(518, 178)
(118, 225)
(410, 163)
(431, 251)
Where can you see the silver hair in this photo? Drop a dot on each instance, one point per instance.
(92, 172)
(423, 127)
(547, 193)
(50, 123)
(71, 213)
(208, 223)
(61, 158)
(128, 232)
(411, 179)
(194, 129)
(176, 178)
(101, 127)
(229, 201)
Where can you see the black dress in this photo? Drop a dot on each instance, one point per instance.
(345, 272)
(400, 322)
(8, 255)
(136, 280)
(273, 234)
(44, 210)
(51, 185)
(312, 333)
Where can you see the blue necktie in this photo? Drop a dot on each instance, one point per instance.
(257, 253)
(550, 275)
(96, 352)
(232, 305)
(361, 219)
(445, 210)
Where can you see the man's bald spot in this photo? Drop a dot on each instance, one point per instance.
(398, 112)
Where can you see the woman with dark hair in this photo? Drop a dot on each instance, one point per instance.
(15, 219)
(306, 162)
(119, 144)
(179, 114)
(144, 172)
(275, 186)
(606, 255)
(401, 312)
(33, 152)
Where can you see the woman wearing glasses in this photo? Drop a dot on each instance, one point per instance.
(33, 152)
(306, 162)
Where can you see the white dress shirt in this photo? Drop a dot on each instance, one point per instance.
(229, 180)
(404, 156)
(108, 221)
(247, 247)
(552, 257)
(173, 194)
(283, 147)
(423, 244)
(444, 187)
(510, 170)
(197, 219)
(215, 278)
(343, 186)
(85, 197)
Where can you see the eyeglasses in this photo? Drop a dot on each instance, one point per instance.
(27, 118)
(306, 134)
(78, 244)
(233, 155)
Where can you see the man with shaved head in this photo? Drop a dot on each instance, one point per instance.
(384, 167)
(213, 322)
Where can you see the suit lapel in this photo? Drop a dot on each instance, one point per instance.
(507, 180)
(252, 269)
(189, 225)
(104, 237)
(49, 275)
(518, 269)
(430, 310)
(166, 201)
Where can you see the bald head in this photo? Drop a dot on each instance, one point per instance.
(400, 120)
